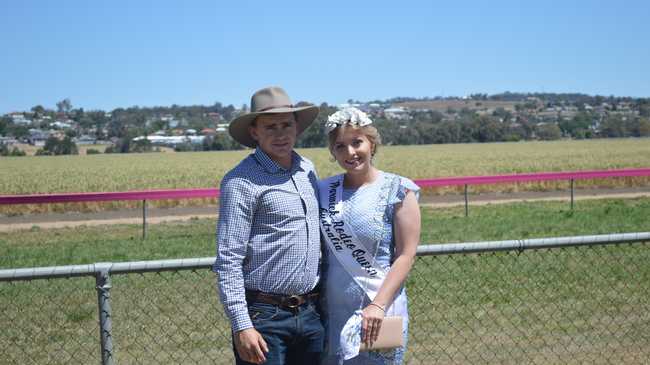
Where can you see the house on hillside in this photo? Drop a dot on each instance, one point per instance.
(170, 120)
(61, 125)
(348, 105)
(396, 113)
(214, 117)
(19, 119)
(171, 141)
(7, 141)
(85, 140)
(37, 137)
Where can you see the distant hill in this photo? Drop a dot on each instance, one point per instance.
(457, 104)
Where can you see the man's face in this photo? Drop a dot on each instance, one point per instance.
(275, 135)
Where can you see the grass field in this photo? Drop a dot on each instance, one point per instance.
(570, 306)
(118, 172)
(195, 238)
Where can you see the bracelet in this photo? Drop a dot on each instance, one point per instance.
(378, 306)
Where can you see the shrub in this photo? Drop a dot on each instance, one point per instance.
(4, 151)
(54, 146)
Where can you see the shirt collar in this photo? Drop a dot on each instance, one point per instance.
(273, 167)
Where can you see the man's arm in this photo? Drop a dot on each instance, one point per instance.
(236, 209)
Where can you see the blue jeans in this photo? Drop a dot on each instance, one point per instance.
(293, 337)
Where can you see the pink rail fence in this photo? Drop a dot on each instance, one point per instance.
(465, 181)
(213, 192)
(112, 196)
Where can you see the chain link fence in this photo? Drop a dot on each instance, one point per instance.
(583, 300)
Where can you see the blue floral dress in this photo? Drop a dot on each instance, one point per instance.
(369, 210)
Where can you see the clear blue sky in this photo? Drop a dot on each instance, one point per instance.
(109, 54)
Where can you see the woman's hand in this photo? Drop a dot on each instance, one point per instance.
(373, 315)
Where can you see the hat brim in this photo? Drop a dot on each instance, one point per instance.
(238, 128)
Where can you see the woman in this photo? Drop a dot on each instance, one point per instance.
(370, 222)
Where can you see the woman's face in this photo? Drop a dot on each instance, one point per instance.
(353, 150)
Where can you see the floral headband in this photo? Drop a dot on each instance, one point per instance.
(351, 116)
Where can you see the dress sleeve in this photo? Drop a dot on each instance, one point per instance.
(405, 185)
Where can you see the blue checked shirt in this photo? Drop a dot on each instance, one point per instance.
(268, 236)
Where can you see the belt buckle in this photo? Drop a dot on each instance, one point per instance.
(293, 301)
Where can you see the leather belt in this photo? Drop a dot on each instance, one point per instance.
(283, 301)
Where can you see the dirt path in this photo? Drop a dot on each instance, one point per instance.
(159, 215)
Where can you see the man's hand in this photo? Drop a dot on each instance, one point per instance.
(250, 346)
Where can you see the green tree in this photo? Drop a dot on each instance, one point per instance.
(121, 146)
(17, 130)
(64, 106)
(644, 127)
(503, 114)
(4, 124)
(613, 127)
(141, 145)
(54, 146)
(78, 114)
(314, 135)
(548, 132)
(578, 126)
(38, 111)
(5, 151)
(406, 135)
(426, 132)
(221, 142)
(644, 110)
(159, 125)
(487, 129)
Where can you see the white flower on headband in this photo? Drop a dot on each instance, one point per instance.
(351, 116)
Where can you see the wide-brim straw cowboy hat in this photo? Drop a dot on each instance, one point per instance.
(270, 100)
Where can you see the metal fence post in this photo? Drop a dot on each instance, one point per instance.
(103, 285)
(144, 219)
(572, 181)
(466, 202)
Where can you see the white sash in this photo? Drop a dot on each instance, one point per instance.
(343, 243)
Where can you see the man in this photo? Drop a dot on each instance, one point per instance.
(268, 240)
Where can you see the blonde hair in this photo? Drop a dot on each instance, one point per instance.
(368, 130)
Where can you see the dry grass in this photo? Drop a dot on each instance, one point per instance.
(124, 172)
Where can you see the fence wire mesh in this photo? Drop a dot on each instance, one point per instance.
(169, 318)
(587, 305)
(49, 322)
(575, 305)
